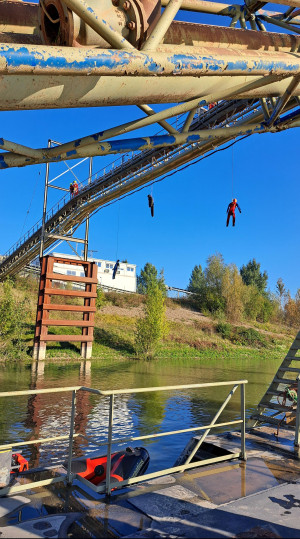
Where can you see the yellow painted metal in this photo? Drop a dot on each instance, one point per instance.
(39, 441)
(6, 491)
(38, 391)
(202, 6)
(162, 388)
(162, 25)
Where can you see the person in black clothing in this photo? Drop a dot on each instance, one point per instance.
(151, 204)
(117, 264)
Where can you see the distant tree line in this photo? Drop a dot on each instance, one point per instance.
(225, 291)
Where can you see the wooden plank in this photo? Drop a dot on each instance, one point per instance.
(285, 381)
(265, 419)
(74, 308)
(273, 392)
(74, 278)
(73, 293)
(67, 338)
(71, 261)
(78, 323)
(275, 406)
(289, 369)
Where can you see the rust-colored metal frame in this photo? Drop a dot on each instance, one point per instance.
(44, 306)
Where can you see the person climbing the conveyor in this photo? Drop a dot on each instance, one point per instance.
(75, 188)
(231, 211)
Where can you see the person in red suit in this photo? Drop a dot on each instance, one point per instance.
(231, 211)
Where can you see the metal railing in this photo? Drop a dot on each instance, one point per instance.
(108, 486)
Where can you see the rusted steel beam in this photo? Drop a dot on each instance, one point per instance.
(281, 24)
(18, 17)
(192, 35)
(294, 3)
(95, 20)
(211, 61)
(162, 25)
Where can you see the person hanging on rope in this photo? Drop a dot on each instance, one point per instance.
(117, 264)
(151, 204)
(231, 211)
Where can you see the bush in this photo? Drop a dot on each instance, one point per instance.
(248, 337)
(13, 316)
(100, 299)
(241, 336)
(224, 329)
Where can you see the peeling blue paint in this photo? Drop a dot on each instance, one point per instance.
(2, 162)
(193, 138)
(1, 142)
(22, 56)
(71, 152)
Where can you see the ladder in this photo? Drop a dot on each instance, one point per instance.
(269, 410)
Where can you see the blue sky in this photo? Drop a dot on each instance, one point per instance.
(190, 206)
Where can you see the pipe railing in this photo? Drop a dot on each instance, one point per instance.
(108, 486)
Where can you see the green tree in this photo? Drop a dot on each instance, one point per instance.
(281, 291)
(252, 302)
(148, 276)
(292, 310)
(153, 327)
(197, 281)
(251, 274)
(214, 274)
(232, 292)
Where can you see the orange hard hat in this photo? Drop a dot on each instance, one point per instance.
(234, 200)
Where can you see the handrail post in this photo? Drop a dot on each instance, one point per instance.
(297, 428)
(110, 428)
(243, 426)
(73, 410)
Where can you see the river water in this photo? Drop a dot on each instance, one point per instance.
(41, 416)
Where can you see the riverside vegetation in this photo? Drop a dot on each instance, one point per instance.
(230, 314)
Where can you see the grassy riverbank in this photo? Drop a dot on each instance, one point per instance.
(192, 335)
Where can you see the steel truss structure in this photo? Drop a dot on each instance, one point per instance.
(133, 52)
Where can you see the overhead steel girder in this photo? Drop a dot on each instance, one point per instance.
(36, 77)
(145, 143)
(46, 92)
(22, 59)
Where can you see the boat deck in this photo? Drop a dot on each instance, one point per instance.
(256, 498)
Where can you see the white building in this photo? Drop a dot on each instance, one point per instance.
(125, 277)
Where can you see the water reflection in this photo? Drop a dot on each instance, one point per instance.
(45, 415)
